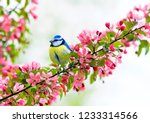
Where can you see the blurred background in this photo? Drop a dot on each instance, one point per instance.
(130, 83)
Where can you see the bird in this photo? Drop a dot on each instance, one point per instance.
(59, 51)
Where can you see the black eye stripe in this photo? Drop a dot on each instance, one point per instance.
(58, 39)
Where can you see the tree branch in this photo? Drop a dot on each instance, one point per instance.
(70, 67)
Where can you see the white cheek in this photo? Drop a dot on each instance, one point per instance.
(57, 43)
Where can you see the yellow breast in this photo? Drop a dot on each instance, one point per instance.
(59, 55)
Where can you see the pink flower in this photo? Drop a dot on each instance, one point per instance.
(48, 78)
(22, 24)
(147, 26)
(107, 25)
(112, 48)
(32, 13)
(51, 100)
(78, 82)
(6, 23)
(18, 87)
(35, 1)
(86, 37)
(35, 65)
(42, 101)
(16, 34)
(64, 79)
(84, 56)
(110, 64)
(34, 79)
(3, 83)
(21, 102)
(29, 67)
(120, 25)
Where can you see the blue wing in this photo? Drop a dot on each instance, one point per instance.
(65, 43)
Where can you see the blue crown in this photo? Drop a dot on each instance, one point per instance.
(57, 36)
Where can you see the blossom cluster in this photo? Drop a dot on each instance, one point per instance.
(96, 55)
(14, 27)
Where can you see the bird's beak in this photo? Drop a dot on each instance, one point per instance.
(51, 41)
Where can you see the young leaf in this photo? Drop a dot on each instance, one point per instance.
(93, 77)
(29, 100)
(144, 44)
(69, 84)
(118, 44)
(61, 94)
(19, 1)
(148, 19)
(141, 32)
(101, 62)
(26, 3)
(90, 46)
(101, 53)
(8, 2)
(130, 37)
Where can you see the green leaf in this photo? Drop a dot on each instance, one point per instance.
(129, 25)
(141, 32)
(118, 44)
(148, 19)
(61, 94)
(101, 62)
(101, 53)
(130, 37)
(26, 3)
(90, 46)
(29, 100)
(8, 2)
(19, 1)
(110, 34)
(1, 10)
(74, 54)
(93, 63)
(101, 43)
(144, 44)
(33, 90)
(93, 77)
(106, 47)
(123, 33)
(70, 81)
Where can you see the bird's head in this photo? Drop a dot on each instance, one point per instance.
(57, 41)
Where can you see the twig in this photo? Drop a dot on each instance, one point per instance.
(70, 67)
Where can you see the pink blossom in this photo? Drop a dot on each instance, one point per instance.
(86, 37)
(85, 56)
(35, 65)
(18, 87)
(35, 1)
(16, 34)
(64, 79)
(51, 100)
(3, 83)
(107, 25)
(42, 101)
(78, 82)
(6, 23)
(110, 64)
(48, 78)
(21, 102)
(32, 13)
(34, 79)
(29, 67)
(22, 24)
(112, 48)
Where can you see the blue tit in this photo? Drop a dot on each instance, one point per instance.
(59, 51)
